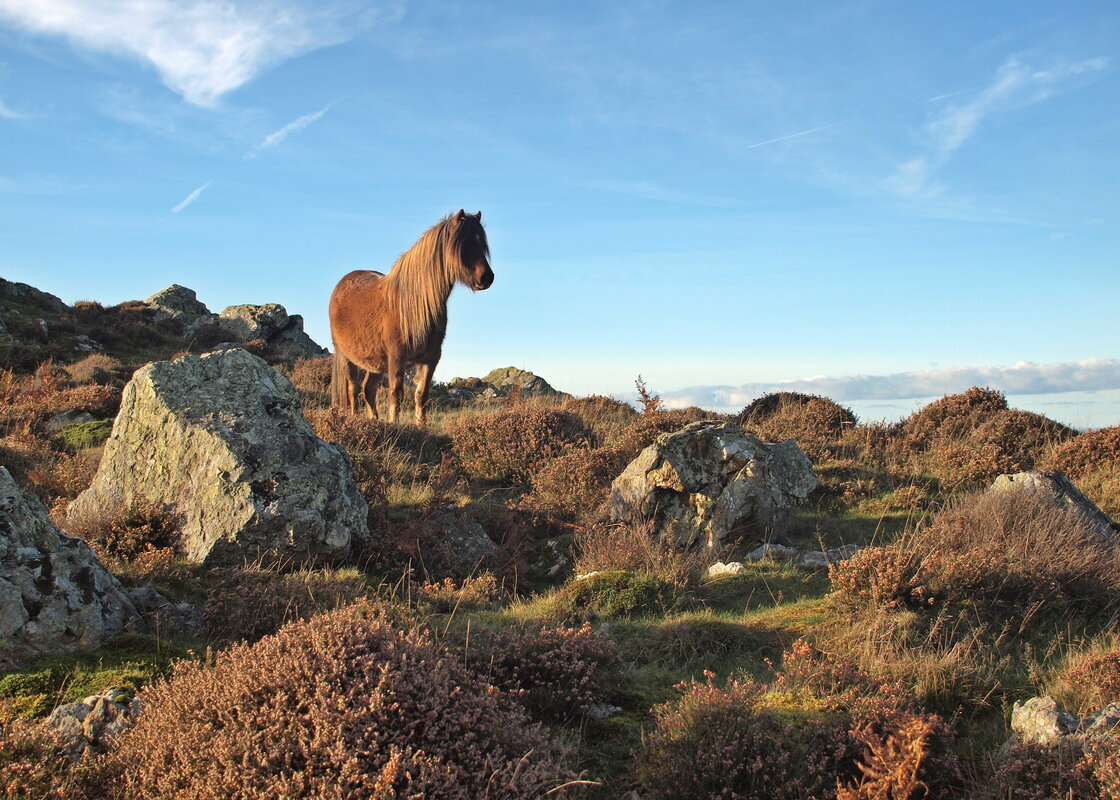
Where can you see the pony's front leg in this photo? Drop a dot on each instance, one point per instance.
(423, 385)
(396, 388)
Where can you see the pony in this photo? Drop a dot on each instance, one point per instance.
(383, 324)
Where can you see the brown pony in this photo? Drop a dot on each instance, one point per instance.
(382, 324)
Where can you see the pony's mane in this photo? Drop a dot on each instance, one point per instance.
(422, 278)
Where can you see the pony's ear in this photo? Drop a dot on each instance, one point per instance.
(478, 216)
(459, 217)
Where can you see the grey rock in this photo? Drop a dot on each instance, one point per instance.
(771, 552)
(23, 293)
(77, 417)
(1043, 721)
(711, 483)
(91, 723)
(55, 595)
(1056, 487)
(181, 303)
(462, 547)
(84, 344)
(163, 616)
(271, 323)
(818, 559)
(506, 378)
(220, 441)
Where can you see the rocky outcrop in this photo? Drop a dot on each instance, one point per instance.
(1059, 490)
(712, 484)
(54, 594)
(180, 303)
(220, 441)
(28, 295)
(460, 546)
(90, 723)
(272, 324)
(528, 385)
(1043, 721)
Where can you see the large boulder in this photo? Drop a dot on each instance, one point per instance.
(271, 323)
(506, 378)
(712, 483)
(180, 303)
(54, 594)
(220, 441)
(1043, 721)
(1057, 489)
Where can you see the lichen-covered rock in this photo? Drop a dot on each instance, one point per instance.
(460, 545)
(1043, 721)
(1058, 489)
(528, 384)
(179, 302)
(54, 594)
(220, 441)
(711, 483)
(92, 722)
(22, 293)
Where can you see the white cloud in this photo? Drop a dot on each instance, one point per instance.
(7, 113)
(1015, 84)
(295, 126)
(190, 198)
(1021, 378)
(202, 49)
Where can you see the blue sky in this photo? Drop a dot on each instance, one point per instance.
(879, 200)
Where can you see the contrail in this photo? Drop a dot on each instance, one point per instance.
(190, 198)
(791, 136)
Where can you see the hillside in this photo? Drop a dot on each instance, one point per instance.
(876, 649)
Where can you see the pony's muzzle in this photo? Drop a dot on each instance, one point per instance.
(485, 281)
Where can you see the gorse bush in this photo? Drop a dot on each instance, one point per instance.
(820, 730)
(343, 706)
(509, 447)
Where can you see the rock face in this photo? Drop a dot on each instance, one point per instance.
(1057, 488)
(54, 593)
(22, 293)
(220, 441)
(711, 483)
(270, 322)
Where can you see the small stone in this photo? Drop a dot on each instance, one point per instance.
(1042, 720)
(719, 569)
(771, 552)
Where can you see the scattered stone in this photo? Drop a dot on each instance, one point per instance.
(161, 615)
(819, 559)
(719, 569)
(603, 711)
(1043, 721)
(55, 595)
(462, 548)
(270, 323)
(584, 576)
(711, 484)
(60, 421)
(92, 722)
(771, 552)
(220, 442)
(1056, 487)
(84, 344)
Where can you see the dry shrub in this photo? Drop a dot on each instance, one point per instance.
(312, 378)
(645, 428)
(253, 603)
(1092, 459)
(555, 673)
(606, 416)
(633, 547)
(1036, 772)
(100, 369)
(815, 422)
(953, 416)
(121, 534)
(574, 486)
(32, 765)
(1009, 548)
(818, 727)
(472, 592)
(1088, 680)
(341, 707)
(510, 446)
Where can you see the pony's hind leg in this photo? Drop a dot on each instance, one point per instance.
(370, 382)
(395, 373)
(355, 380)
(423, 385)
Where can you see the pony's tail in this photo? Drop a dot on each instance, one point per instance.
(340, 382)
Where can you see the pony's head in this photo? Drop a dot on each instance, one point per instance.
(467, 242)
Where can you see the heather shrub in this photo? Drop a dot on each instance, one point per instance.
(99, 368)
(634, 548)
(645, 429)
(1089, 679)
(510, 446)
(575, 485)
(249, 604)
(815, 422)
(555, 673)
(819, 728)
(1036, 772)
(1008, 548)
(605, 416)
(31, 764)
(617, 594)
(448, 595)
(340, 706)
(1092, 461)
(952, 416)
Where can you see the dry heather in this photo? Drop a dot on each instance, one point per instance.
(341, 707)
(817, 423)
(509, 447)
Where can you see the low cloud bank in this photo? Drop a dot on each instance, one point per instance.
(1022, 378)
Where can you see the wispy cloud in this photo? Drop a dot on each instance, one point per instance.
(1015, 84)
(1021, 378)
(8, 113)
(791, 136)
(295, 126)
(190, 198)
(200, 48)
